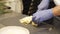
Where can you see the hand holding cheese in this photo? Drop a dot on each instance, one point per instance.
(43, 15)
(27, 20)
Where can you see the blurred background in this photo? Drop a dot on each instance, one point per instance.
(13, 10)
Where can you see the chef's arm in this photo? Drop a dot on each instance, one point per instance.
(43, 5)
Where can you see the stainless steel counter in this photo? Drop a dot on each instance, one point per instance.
(14, 21)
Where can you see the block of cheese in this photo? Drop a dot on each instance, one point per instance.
(26, 20)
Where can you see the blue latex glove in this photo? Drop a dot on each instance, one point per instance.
(42, 13)
(41, 16)
(43, 5)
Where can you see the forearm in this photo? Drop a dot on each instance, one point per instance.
(56, 11)
(43, 5)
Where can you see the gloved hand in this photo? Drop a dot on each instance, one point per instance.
(41, 16)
